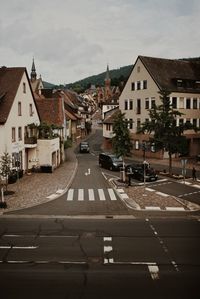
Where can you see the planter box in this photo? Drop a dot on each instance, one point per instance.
(46, 168)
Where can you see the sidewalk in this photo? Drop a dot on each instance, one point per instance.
(39, 188)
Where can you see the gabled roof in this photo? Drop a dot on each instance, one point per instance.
(10, 79)
(111, 115)
(166, 72)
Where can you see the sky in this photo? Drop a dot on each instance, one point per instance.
(74, 39)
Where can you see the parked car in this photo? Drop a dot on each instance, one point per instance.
(84, 147)
(136, 171)
(110, 161)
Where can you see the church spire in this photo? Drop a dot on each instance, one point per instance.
(33, 72)
(107, 73)
(107, 84)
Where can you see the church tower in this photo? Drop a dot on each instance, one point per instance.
(33, 72)
(107, 84)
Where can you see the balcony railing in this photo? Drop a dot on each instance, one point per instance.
(30, 140)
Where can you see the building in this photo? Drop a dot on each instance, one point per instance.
(108, 122)
(17, 111)
(36, 83)
(107, 93)
(151, 75)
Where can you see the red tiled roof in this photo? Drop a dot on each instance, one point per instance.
(50, 110)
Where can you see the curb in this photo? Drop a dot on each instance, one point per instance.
(131, 203)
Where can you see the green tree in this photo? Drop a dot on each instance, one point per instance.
(121, 140)
(5, 167)
(162, 124)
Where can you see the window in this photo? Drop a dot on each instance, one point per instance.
(181, 121)
(138, 106)
(131, 104)
(31, 109)
(181, 103)
(125, 105)
(13, 135)
(24, 87)
(138, 69)
(194, 122)
(146, 103)
(194, 103)
(108, 127)
(188, 103)
(19, 108)
(153, 102)
(137, 146)
(133, 86)
(174, 103)
(130, 123)
(197, 84)
(138, 85)
(188, 121)
(179, 83)
(145, 84)
(138, 123)
(153, 149)
(20, 133)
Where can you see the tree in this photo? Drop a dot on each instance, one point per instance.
(166, 134)
(121, 141)
(5, 167)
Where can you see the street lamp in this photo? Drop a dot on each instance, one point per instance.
(145, 163)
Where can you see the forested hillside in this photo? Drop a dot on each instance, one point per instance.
(116, 75)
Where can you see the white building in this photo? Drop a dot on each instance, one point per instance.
(17, 111)
(151, 75)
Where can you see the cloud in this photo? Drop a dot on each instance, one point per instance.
(74, 39)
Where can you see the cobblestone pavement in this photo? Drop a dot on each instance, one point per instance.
(38, 188)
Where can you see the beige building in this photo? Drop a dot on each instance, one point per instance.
(150, 75)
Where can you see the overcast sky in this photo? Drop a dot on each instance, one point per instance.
(74, 39)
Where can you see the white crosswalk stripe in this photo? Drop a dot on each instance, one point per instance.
(101, 194)
(80, 194)
(112, 194)
(91, 195)
(70, 194)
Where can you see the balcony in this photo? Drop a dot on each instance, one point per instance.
(30, 142)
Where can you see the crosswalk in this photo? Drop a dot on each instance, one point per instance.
(91, 194)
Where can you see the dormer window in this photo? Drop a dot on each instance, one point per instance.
(179, 83)
(197, 84)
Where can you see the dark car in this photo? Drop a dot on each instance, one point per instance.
(84, 147)
(110, 161)
(136, 171)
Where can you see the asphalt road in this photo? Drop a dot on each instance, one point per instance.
(113, 258)
(180, 190)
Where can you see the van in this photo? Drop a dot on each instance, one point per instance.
(110, 161)
(84, 147)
